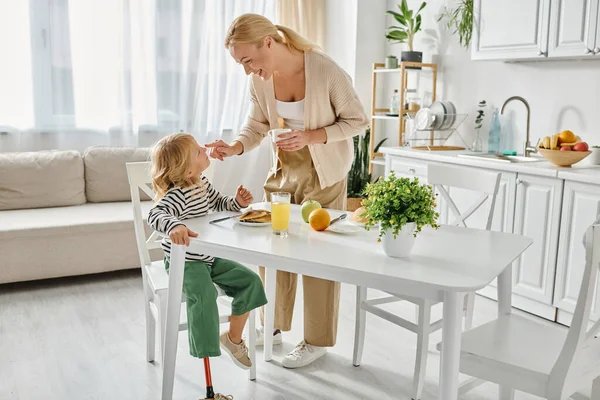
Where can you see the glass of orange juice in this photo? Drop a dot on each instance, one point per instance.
(280, 213)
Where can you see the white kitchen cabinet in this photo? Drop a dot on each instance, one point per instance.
(581, 205)
(573, 28)
(510, 29)
(537, 215)
(596, 6)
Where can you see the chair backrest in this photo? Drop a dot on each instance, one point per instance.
(579, 337)
(139, 177)
(487, 183)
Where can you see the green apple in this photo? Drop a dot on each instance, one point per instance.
(307, 207)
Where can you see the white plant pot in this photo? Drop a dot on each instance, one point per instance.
(402, 245)
(594, 158)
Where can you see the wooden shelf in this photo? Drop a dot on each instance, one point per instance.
(404, 68)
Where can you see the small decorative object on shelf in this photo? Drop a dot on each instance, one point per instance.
(409, 23)
(395, 104)
(391, 62)
(401, 207)
(411, 101)
(477, 144)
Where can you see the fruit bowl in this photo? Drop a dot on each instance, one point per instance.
(563, 158)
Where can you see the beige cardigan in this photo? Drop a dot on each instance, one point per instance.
(330, 102)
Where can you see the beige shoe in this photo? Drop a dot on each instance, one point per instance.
(237, 352)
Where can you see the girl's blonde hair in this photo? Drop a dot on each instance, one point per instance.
(253, 28)
(171, 161)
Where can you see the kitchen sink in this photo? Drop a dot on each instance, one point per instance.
(502, 158)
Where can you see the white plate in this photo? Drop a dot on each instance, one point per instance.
(254, 224)
(344, 228)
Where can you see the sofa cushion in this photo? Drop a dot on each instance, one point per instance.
(41, 179)
(106, 174)
(86, 218)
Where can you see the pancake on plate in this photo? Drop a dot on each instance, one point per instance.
(256, 216)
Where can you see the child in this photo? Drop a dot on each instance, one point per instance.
(182, 193)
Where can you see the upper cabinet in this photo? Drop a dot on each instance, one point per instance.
(573, 28)
(510, 29)
(535, 29)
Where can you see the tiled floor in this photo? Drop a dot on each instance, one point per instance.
(83, 338)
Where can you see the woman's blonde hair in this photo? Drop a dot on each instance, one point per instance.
(253, 28)
(171, 161)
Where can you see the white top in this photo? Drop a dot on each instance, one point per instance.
(453, 258)
(292, 113)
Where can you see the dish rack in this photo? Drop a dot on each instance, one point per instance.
(436, 134)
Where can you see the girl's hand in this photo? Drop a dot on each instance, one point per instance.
(220, 150)
(181, 235)
(243, 196)
(293, 141)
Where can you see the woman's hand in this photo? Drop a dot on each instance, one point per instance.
(220, 150)
(181, 235)
(296, 140)
(243, 197)
(293, 141)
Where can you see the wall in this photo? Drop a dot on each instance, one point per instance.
(340, 39)
(562, 94)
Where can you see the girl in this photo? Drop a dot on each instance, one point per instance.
(183, 193)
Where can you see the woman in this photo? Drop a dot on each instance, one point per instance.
(296, 87)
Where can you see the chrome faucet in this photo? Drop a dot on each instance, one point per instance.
(528, 149)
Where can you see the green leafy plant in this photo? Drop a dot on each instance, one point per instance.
(393, 202)
(595, 147)
(359, 176)
(461, 20)
(409, 23)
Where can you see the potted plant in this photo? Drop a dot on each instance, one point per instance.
(594, 158)
(409, 23)
(461, 20)
(401, 207)
(359, 176)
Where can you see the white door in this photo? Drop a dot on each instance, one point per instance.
(510, 29)
(581, 205)
(572, 28)
(537, 215)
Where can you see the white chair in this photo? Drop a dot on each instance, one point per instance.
(441, 177)
(155, 282)
(539, 357)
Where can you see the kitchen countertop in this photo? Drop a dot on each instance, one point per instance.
(584, 173)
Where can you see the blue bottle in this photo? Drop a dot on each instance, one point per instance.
(494, 137)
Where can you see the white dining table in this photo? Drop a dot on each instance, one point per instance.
(444, 265)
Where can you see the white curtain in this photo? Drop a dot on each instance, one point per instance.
(119, 72)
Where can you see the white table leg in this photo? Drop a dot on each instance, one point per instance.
(505, 291)
(451, 337)
(270, 289)
(176, 268)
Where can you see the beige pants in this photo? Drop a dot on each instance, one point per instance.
(297, 175)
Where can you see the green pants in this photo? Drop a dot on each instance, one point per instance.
(237, 281)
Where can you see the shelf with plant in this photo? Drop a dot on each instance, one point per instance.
(408, 25)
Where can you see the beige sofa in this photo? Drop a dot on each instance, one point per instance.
(63, 213)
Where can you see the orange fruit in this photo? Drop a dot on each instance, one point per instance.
(319, 219)
(566, 137)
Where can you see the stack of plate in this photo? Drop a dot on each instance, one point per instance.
(439, 116)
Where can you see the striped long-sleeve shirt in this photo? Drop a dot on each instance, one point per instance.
(180, 204)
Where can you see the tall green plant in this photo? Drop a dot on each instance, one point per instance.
(359, 175)
(461, 20)
(409, 23)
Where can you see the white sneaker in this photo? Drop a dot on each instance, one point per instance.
(303, 355)
(260, 337)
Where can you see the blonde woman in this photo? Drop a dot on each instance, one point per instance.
(182, 193)
(297, 87)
